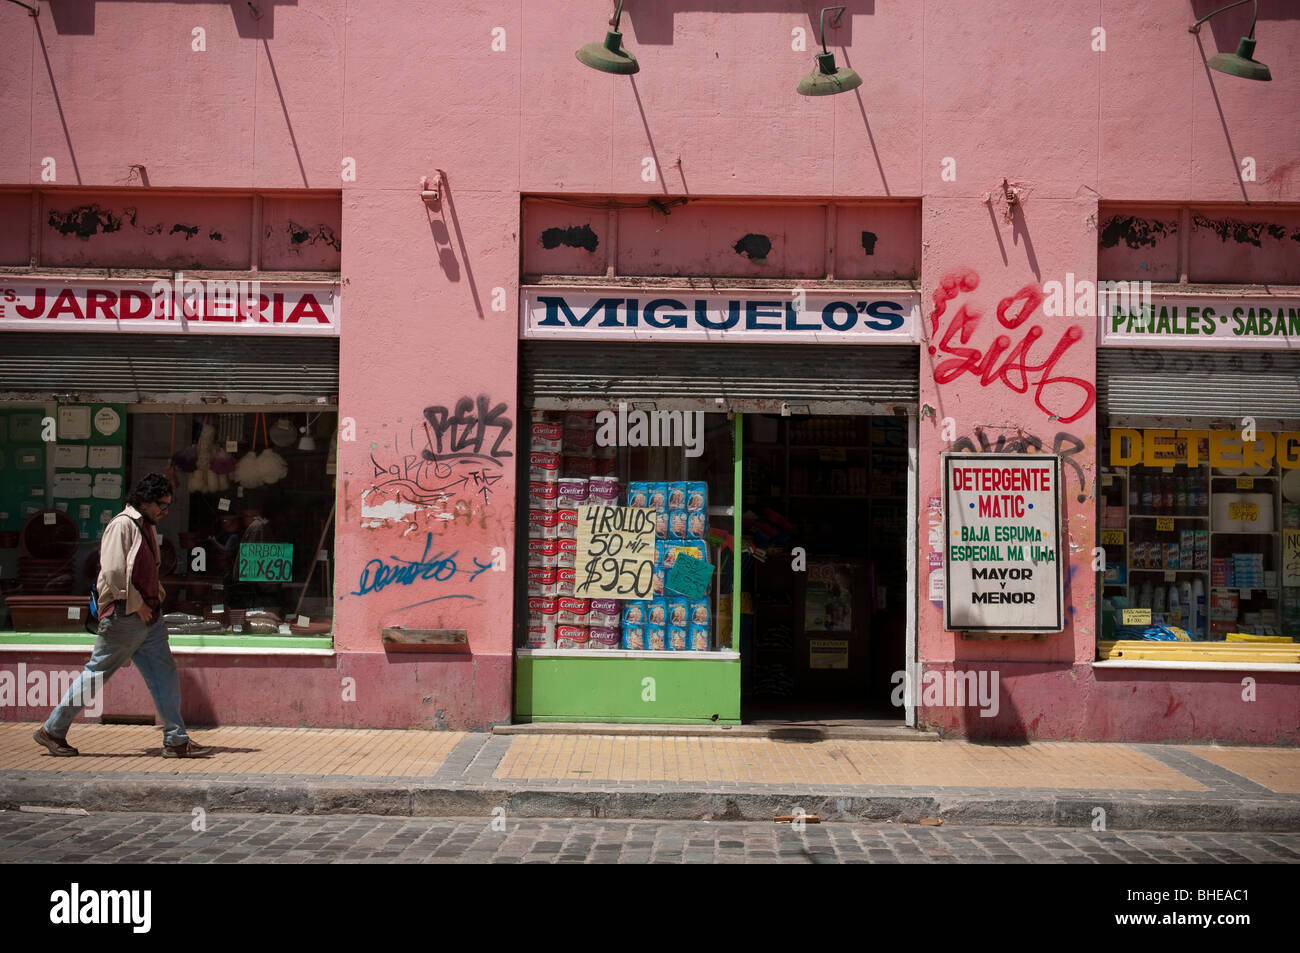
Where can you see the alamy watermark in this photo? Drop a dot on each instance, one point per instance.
(41, 689)
(951, 689)
(654, 428)
(1083, 298)
(212, 298)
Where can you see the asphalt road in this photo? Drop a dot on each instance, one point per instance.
(277, 839)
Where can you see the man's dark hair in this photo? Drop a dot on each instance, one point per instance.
(151, 489)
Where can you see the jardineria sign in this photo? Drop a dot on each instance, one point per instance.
(1198, 320)
(171, 305)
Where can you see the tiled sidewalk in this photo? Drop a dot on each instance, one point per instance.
(727, 777)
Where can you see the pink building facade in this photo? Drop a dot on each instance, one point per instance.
(995, 154)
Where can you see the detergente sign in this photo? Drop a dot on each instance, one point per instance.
(1002, 568)
(671, 314)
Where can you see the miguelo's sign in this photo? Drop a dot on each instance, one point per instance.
(678, 314)
(1190, 320)
(171, 306)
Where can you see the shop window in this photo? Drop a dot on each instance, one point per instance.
(245, 549)
(617, 586)
(1201, 533)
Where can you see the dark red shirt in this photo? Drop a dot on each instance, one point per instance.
(144, 573)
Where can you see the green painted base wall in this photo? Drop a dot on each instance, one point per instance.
(685, 692)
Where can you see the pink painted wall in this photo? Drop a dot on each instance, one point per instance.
(367, 98)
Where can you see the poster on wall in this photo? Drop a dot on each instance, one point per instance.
(1002, 558)
(828, 602)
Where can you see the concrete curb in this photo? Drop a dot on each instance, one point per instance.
(418, 799)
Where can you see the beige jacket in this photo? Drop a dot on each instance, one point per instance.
(117, 552)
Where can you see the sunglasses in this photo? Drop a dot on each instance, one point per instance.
(162, 507)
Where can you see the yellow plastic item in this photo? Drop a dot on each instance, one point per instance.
(1247, 637)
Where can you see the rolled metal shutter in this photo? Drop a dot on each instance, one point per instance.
(750, 378)
(167, 368)
(1153, 382)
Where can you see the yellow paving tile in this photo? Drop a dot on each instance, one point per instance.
(757, 760)
(248, 750)
(1278, 769)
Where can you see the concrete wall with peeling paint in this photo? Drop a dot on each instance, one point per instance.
(958, 99)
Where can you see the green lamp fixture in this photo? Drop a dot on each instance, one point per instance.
(1243, 62)
(610, 57)
(826, 80)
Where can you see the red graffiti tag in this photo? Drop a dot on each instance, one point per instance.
(1016, 369)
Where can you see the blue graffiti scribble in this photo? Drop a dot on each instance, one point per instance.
(378, 574)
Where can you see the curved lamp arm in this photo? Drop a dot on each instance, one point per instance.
(835, 21)
(1196, 27)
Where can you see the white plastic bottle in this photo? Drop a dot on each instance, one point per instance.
(1144, 596)
(1202, 618)
(1188, 607)
(1174, 612)
(1158, 600)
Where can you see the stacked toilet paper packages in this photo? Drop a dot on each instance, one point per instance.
(568, 469)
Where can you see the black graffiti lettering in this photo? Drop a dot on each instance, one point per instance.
(467, 429)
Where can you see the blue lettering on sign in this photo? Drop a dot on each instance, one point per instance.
(555, 304)
(762, 309)
(703, 320)
(891, 318)
(842, 316)
(668, 320)
(828, 315)
(379, 574)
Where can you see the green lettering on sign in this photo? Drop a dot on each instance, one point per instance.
(266, 562)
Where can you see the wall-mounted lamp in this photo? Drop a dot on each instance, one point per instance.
(1242, 63)
(431, 192)
(610, 57)
(826, 79)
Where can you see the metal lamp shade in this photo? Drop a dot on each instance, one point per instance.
(609, 57)
(826, 80)
(1241, 63)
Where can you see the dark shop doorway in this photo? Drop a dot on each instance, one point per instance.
(824, 585)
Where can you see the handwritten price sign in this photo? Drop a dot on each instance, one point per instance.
(616, 552)
(266, 562)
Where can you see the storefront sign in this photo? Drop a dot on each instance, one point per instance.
(1224, 449)
(1002, 550)
(1191, 320)
(615, 552)
(266, 562)
(673, 314)
(171, 306)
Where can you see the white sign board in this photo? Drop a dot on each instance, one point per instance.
(1002, 559)
(1204, 321)
(682, 314)
(170, 306)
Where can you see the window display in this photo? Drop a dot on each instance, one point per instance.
(1196, 526)
(657, 463)
(244, 549)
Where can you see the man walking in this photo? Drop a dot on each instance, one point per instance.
(130, 625)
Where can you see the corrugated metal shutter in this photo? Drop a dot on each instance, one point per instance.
(167, 368)
(752, 378)
(1147, 382)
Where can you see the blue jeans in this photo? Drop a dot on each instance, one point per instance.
(121, 639)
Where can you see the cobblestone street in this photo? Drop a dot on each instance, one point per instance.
(267, 839)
